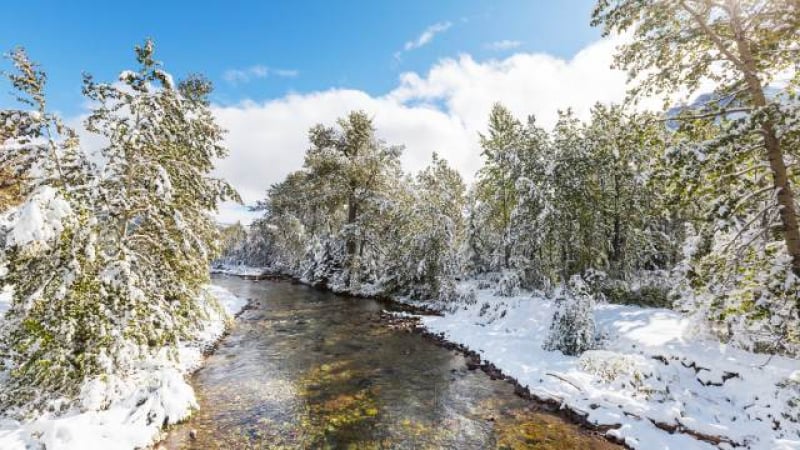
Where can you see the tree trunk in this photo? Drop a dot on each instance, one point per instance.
(616, 241)
(352, 214)
(772, 145)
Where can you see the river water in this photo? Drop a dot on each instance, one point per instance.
(306, 369)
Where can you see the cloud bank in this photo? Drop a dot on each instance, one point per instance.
(442, 110)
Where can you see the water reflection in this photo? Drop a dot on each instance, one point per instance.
(307, 369)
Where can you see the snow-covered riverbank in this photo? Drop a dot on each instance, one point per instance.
(657, 380)
(156, 394)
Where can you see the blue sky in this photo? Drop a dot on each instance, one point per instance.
(427, 72)
(260, 50)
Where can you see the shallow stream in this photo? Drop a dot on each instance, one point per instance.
(310, 369)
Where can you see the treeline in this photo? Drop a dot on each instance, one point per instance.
(692, 208)
(105, 253)
(545, 206)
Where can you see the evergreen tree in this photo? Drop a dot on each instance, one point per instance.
(357, 170)
(114, 271)
(574, 203)
(572, 330)
(633, 218)
(502, 147)
(529, 228)
(49, 252)
(735, 158)
(425, 259)
(157, 196)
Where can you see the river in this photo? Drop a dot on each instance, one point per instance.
(305, 369)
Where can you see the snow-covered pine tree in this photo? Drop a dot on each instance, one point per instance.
(574, 200)
(156, 199)
(356, 170)
(739, 269)
(742, 173)
(296, 211)
(623, 148)
(50, 339)
(475, 253)
(502, 148)
(112, 269)
(38, 148)
(530, 228)
(233, 241)
(572, 330)
(424, 258)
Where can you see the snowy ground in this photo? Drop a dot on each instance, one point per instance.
(653, 367)
(155, 394)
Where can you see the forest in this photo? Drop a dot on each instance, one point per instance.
(691, 208)
(653, 253)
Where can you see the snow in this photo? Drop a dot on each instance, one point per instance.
(652, 366)
(239, 270)
(5, 299)
(156, 393)
(40, 219)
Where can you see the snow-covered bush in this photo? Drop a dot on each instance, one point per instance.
(792, 386)
(648, 289)
(747, 296)
(484, 283)
(509, 284)
(324, 258)
(468, 297)
(610, 367)
(572, 330)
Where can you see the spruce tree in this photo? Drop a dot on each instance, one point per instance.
(357, 170)
(735, 155)
(50, 339)
(502, 146)
(114, 273)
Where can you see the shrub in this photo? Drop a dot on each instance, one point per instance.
(572, 330)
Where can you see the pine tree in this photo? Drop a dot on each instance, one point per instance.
(116, 275)
(357, 169)
(575, 197)
(572, 330)
(48, 338)
(530, 228)
(624, 148)
(157, 196)
(502, 147)
(737, 143)
(425, 260)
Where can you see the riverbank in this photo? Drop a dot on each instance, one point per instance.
(156, 394)
(654, 383)
(657, 380)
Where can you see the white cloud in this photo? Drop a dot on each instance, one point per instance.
(440, 111)
(527, 83)
(425, 38)
(236, 76)
(268, 140)
(505, 44)
(230, 213)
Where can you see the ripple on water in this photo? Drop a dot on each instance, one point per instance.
(308, 369)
